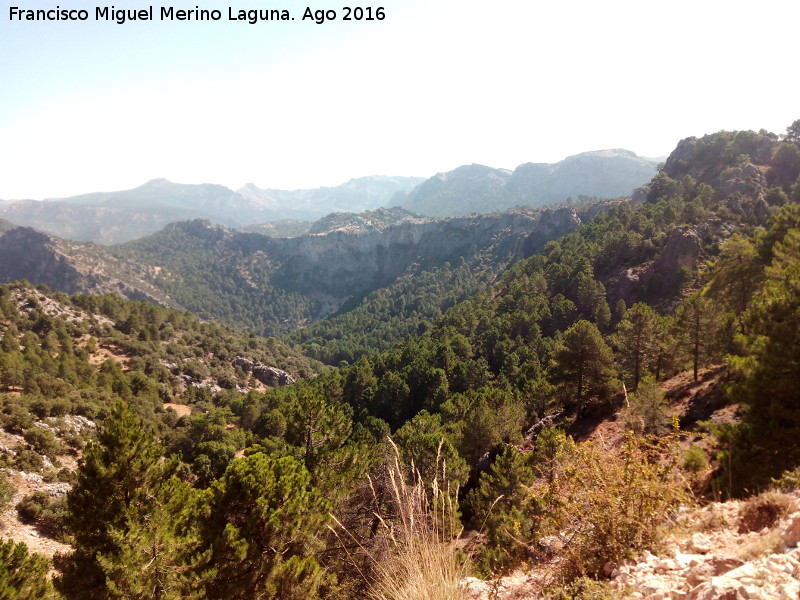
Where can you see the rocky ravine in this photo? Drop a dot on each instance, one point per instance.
(335, 266)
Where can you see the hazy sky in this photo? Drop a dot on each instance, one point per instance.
(96, 106)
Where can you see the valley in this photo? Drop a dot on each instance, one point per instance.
(555, 395)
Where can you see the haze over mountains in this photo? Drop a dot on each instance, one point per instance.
(465, 338)
(115, 217)
(476, 188)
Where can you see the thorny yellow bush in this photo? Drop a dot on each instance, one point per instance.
(598, 504)
(611, 504)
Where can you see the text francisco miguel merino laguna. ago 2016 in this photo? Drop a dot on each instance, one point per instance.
(170, 13)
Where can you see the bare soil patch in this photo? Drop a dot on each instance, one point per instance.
(182, 409)
(105, 352)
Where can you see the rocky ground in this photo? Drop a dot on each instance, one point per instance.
(11, 527)
(711, 555)
(736, 550)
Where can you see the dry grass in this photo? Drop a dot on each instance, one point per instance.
(764, 510)
(711, 518)
(419, 560)
(761, 546)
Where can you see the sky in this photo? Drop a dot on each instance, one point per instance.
(99, 106)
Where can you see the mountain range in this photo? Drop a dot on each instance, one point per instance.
(116, 217)
(479, 189)
(645, 345)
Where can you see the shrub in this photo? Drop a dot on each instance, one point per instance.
(648, 410)
(788, 481)
(763, 511)
(582, 588)
(47, 513)
(6, 491)
(613, 505)
(17, 419)
(43, 441)
(28, 461)
(695, 461)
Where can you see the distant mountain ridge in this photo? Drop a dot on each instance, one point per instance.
(481, 189)
(121, 216)
(115, 217)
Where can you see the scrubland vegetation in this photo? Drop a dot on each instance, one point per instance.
(464, 449)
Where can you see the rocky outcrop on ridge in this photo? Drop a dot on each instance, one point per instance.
(661, 277)
(68, 267)
(271, 376)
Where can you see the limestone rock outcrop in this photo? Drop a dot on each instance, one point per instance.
(271, 376)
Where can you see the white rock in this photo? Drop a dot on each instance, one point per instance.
(790, 535)
(665, 564)
(648, 558)
(746, 570)
(789, 591)
(477, 588)
(701, 543)
(688, 560)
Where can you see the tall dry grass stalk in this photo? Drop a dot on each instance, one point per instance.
(418, 559)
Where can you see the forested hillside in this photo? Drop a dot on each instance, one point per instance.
(275, 286)
(297, 491)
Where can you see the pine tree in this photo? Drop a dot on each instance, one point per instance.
(23, 576)
(317, 426)
(770, 385)
(502, 507)
(157, 550)
(737, 275)
(262, 525)
(636, 339)
(116, 480)
(583, 364)
(696, 329)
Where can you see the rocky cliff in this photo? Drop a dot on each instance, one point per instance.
(66, 266)
(274, 285)
(344, 264)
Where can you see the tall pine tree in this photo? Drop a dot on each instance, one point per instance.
(116, 480)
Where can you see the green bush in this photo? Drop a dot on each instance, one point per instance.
(43, 441)
(28, 461)
(44, 511)
(582, 588)
(648, 410)
(17, 419)
(695, 461)
(6, 491)
(611, 504)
